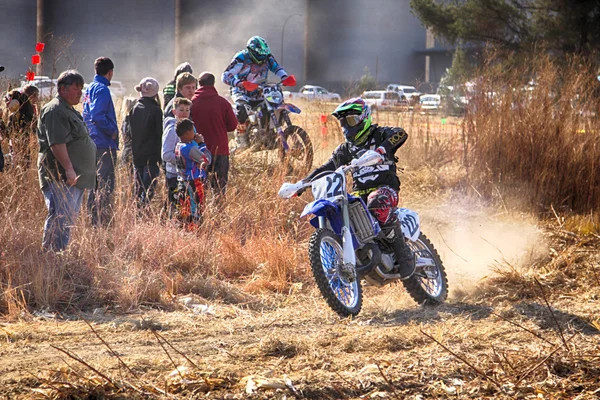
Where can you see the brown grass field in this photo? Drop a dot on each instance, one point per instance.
(145, 310)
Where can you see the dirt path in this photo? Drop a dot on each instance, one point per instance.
(384, 353)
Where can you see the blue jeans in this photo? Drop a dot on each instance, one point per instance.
(145, 182)
(63, 203)
(100, 199)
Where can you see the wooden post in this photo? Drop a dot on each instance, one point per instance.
(39, 34)
(177, 55)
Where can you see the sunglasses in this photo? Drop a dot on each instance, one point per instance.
(350, 120)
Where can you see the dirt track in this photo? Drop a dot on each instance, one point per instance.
(384, 353)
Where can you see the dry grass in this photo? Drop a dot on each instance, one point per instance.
(254, 241)
(543, 143)
(245, 319)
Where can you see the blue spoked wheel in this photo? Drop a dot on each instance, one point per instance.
(429, 285)
(340, 288)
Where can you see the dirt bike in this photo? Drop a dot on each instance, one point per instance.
(349, 245)
(270, 128)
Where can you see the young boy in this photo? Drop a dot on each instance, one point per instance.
(192, 159)
(181, 109)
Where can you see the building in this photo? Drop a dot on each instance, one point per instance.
(324, 42)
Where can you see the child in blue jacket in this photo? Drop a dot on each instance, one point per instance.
(192, 159)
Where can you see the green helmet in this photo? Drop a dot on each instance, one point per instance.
(355, 118)
(258, 49)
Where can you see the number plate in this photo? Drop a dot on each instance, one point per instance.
(330, 187)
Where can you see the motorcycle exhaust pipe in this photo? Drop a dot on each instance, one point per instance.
(373, 261)
(387, 276)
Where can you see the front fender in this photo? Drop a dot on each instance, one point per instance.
(320, 208)
(333, 213)
(289, 107)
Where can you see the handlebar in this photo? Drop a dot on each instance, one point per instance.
(369, 158)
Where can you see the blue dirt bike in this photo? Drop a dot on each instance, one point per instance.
(270, 128)
(349, 245)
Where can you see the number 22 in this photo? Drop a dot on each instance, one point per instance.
(334, 185)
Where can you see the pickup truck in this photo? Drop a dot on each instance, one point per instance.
(310, 92)
(409, 93)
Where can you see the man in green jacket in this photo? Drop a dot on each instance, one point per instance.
(66, 161)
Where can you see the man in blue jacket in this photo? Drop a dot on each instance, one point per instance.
(99, 115)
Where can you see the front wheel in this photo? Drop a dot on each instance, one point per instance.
(429, 284)
(299, 155)
(341, 290)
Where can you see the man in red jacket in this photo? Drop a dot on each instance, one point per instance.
(213, 117)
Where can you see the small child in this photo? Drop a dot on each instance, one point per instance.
(192, 160)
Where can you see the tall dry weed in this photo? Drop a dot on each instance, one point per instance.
(540, 141)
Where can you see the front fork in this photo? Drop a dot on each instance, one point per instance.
(278, 127)
(347, 245)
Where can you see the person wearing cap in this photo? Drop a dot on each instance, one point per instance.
(170, 89)
(66, 160)
(145, 122)
(101, 119)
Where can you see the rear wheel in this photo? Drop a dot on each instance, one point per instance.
(298, 157)
(429, 284)
(340, 288)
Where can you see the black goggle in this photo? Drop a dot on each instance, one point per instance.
(351, 120)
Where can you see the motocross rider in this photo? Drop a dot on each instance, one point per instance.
(248, 69)
(377, 185)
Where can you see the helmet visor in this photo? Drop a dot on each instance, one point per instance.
(351, 120)
(259, 58)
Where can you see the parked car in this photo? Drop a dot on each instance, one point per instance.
(48, 87)
(382, 99)
(117, 88)
(311, 92)
(409, 93)
(430, 102)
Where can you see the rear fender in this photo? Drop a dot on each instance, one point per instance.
(411, 224)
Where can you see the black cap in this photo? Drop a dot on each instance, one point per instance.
(1, 68)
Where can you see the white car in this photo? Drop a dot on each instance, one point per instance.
(117, 88)
(430, 102)
(48, 87)
(382, 99)
(311, 92)
(405, 92)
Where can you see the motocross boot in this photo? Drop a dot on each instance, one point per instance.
(404, 255)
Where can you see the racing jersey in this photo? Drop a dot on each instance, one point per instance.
(367, 179)
(242, 68)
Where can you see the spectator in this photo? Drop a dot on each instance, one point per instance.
(181, 109)
(126, 158)
(2, 133)
(214, 117)
(145, 122)
(192, 159)
(99, 115)
(186, 86)
(66, 162)
(21, 123)
(171, 87)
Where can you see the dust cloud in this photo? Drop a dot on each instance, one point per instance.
(211, 37)
(473, 240)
